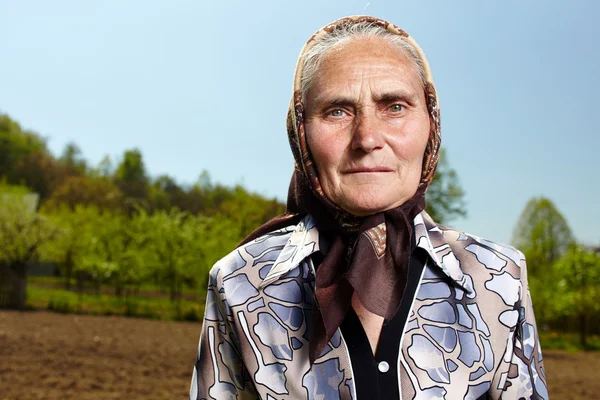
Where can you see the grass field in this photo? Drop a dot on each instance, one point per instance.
(55, 356)
(145, 302)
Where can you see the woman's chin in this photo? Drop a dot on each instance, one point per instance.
(369, 206)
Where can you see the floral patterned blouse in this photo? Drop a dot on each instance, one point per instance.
(467, 331)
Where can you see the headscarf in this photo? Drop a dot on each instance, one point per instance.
(368, 255)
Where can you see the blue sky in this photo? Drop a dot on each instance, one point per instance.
(205, 85)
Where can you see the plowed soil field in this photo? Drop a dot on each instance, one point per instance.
(52, 356)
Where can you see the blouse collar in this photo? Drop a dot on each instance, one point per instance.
(304, 241)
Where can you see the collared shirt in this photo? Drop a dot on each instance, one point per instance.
(470, 330)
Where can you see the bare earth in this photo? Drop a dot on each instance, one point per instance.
(52, 356)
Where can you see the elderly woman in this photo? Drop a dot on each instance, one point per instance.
(355, 292)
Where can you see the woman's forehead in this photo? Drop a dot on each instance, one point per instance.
(358, 63)
(351, 28)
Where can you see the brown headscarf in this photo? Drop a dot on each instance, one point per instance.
(368, 255)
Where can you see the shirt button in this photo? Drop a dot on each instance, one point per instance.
(383, 367)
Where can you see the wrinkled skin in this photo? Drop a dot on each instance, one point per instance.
(367, 126)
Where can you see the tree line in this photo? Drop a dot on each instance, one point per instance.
(564, 275)
(113, 223)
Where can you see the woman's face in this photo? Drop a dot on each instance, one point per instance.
(367, 126)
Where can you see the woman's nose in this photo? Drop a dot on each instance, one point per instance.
(367, 135)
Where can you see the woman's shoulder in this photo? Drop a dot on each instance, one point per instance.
(467, 245)
(480, 247)
(259, 252)
(478, 258)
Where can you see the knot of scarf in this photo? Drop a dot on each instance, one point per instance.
(370, 258)
(371, 261)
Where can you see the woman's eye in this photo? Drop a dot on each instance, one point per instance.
(396, 108)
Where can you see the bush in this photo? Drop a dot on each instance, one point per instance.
(151, 304)
(191, 314)
(552, 340)
(133, 308)
(61, 304)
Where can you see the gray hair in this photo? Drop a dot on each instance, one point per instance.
(315, 55)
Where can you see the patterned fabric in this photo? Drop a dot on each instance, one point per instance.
(471, 330)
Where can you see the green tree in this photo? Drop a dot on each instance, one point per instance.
(98, 245)
(40, 172)
(105, 168)
(165, 193)
(222, 235)
(131, 176)
(73, 160)
(445, 196)
(6, 189)
(248, 210)
(22, 232)
(72, 243)
(87, 190)
(174, 247)
(578, 277)
(16, 144)
(25, 159)
(543, 235)
(116, 251)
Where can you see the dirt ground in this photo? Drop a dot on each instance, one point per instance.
(52, 356)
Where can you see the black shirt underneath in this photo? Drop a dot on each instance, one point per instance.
(369, 381)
